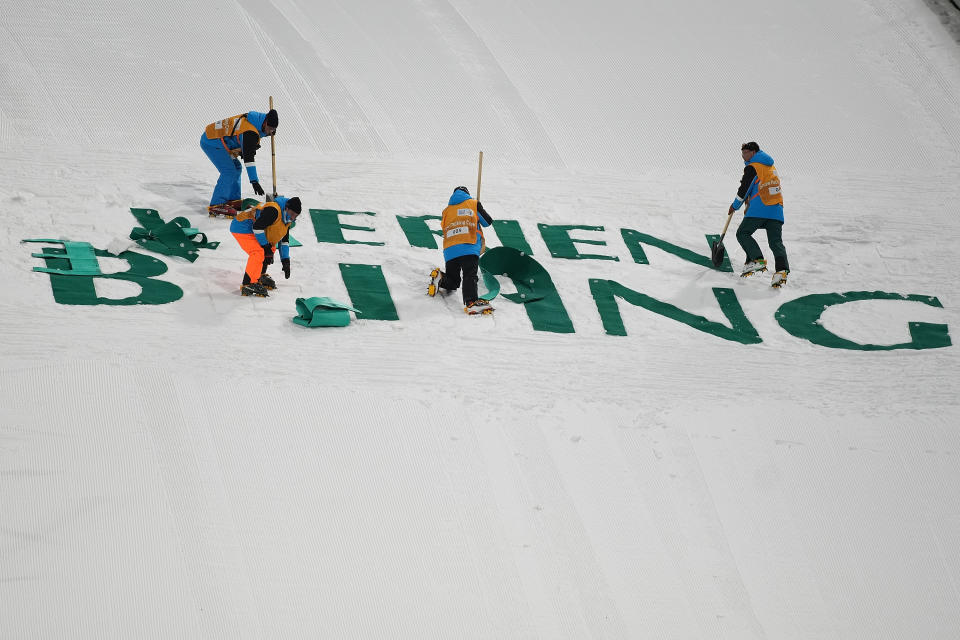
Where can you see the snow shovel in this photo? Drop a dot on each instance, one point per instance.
(716, 249)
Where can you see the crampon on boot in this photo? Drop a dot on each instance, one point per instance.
(254, 289)
(779, 279)
(268, 283)
(753, 266)
(226, 209)
(478, 307)
(435, 276)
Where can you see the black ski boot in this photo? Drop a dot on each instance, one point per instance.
(267, 282)
(254, 289)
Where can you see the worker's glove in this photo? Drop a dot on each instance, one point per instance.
(257, 189)
(286, 267)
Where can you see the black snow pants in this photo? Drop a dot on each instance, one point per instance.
(467, 266)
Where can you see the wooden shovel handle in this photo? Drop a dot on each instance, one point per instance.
(273, 155)
(729, 218)
(479, 174)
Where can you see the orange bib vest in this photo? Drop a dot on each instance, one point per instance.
(768, 184)
(229, 127)
(460, 224)
(276, 231)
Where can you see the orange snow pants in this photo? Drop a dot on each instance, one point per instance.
(249, 243)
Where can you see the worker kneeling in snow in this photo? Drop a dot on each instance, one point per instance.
(462, 245)
(258, 230)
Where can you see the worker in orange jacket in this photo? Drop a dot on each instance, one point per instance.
(258, 230)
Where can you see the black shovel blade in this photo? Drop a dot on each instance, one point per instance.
(716, 253)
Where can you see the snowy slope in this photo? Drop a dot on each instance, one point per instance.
(208, 469)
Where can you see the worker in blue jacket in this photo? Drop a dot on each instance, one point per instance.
(760, 191)
(462, 223)
(228, 141)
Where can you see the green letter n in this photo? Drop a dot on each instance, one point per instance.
(606, 292)
(634, 241)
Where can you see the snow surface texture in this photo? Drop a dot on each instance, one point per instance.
(948, 11)
(208, 469)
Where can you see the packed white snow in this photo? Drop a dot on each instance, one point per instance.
(206, 468)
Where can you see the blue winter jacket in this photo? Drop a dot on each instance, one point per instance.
(757, 209)
(458, 250)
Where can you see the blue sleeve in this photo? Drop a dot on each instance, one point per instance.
(284, 250)
(261, 237)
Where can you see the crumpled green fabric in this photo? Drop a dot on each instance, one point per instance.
(174, 238)
(526, 273)
(491, 283)
(322, 312)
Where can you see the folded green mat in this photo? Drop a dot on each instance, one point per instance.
(322, 312)
(532, 281)
(79, 258)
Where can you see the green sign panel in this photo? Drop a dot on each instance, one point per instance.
(73, 267)
(801, 318)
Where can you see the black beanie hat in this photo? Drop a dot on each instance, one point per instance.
(272, 119)
(294, 205)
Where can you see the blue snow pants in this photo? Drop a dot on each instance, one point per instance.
(228, 185)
